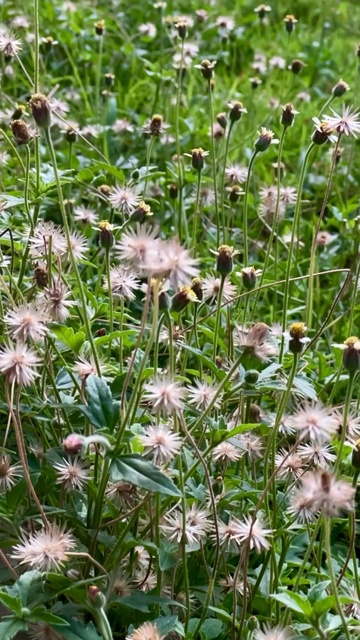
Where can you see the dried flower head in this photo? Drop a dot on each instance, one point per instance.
(322, 492)
(290, 22)
(155, 126)
(8, 473)
(22, 133)
(41, 110)
(71, 474)
(207, 69)
(9, 44)
(26, 322)
(256, 341)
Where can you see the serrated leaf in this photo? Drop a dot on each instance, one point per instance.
(101, 410)
(11, 602)
(43, 615)
(10, 626)
(142, 473)
(68, 337)
(293, 601)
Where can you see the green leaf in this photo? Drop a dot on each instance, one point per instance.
(11, 602)
(142, 473)
(68, 337)
(293, 601)
(10, 626)
(211, 628)
(101, 410)
(77, 631)
(29, 587)
(43, 615)
(321, 606)
(108, 168)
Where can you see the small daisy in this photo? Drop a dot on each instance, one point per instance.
(79, 246)
(317, 453)
(348, 123)
(236, 173)
(211, 286)
(164, 394)
(161, 442)
(17, 363)
(9, 45)
(122, 494)
(71, 474)
(45, 550)
(254, 534)
(123, 283)
(125, 199)
(44, 233)
(56, 303)
(147, 631)
(275, 633)
(26, 322)
(256, 341)
(134, 244)
(314, 422)
(202, 395)
(8, 473)
(288, 465)
(85, 215)
(226, 452)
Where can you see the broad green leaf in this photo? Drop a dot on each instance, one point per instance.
(68, 337)
(29, 587)
(10, 626)
(42, 614)
(108, 168)
(211, 628)
(293, 601)
(78, 631)
(323, 605)
(11, 602)
(101, 410)
(142, 473)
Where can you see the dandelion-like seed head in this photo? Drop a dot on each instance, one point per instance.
(46, 550)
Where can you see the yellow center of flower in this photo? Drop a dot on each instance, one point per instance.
(297, 330)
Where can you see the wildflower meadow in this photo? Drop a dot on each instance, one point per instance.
(180, 320)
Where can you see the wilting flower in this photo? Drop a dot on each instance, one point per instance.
(254, 534)
(197, 525)
(123, 283)
(211, 286)
(8, 473)
(227, 452)
(45, 550)
(46, 234)
(56, 303)
(256, 341)
(320, 491)
(9, 44)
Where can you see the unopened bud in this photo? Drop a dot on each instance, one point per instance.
(340, 88)
(182, 30)
(142, 212)
(21, 132)
(266, 137)
(41, 275)
(196, 285)
(290, 22)
(73, 444)
(236, 111)
(296, 66)
(109, 79)
(182, 298)
(99, 27)
(297, 337)
(222, 119)
(351, 354)
(225, 263)
(235, 192)
(70, 135)
(197, 158)
(207, 69)
(251, 377)
(288, 115)
(173, 191)
(106, 236)
(322, 133)
(41, 111)
(249, 277)
(96, 597)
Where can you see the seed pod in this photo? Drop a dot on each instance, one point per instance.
(41, 111)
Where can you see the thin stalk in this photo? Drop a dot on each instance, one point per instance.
(98, 75)
(73, 262)
(310, 296)
(18, 59)
(148, 158)
(346, 411)
(245, 215)
(222, 194)
(218, 316)
(276, 215)
(111, 302)
(177, 134)
(14, 150)
(327, 529)
(26, 188)
(213, 158)
(196, 210)
(291, 247)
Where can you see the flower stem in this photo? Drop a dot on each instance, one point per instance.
(213, 158)
(218, 316)
(245, 215)
(196, 210)
(292, 242)
(327, 528)
(71, 253)
(222, 194)
(346, 411)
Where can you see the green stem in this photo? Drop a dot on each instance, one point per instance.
(196, 210)
(291, 247)
(245, 215)
(148, 158)
(177, 134)
(218, 316)
(111, 303)
(310, 296)
(346, 411)
(98, 75)
(213, 158)
(276, 215)
(222, 195)
(73, 263)
(26, 188)
(327, 528)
